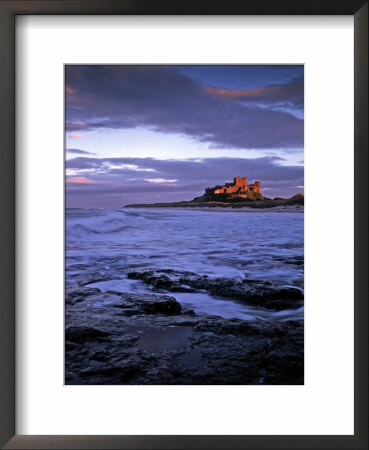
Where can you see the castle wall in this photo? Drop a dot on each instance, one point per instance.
(232, 189)
(239, 187)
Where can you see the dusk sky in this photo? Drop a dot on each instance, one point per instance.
(145, 134)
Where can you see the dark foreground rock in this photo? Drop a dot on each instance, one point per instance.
(115, 338)
(253, 292)
(80, 334)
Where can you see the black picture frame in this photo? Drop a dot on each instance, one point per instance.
(8, 11)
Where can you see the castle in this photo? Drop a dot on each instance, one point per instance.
(238, 189)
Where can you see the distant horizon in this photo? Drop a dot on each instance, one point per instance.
(152, 134)
(182, 200)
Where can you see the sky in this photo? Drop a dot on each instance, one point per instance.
(154, 133)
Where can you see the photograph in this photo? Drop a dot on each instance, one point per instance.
(184, 224)
(155, 246)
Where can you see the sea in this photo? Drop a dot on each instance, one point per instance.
(261, 245)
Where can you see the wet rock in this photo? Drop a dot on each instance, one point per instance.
(70, 346)
(78, 294)
(168, 280)
(83, 334)
(164, 306)
(82, 279)
(99, 356)
(132, 339)
(115, 374)
(254, 292)
(149, 304)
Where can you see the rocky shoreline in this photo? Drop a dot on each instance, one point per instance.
(122, 338)
(253, 292)
(294, 203)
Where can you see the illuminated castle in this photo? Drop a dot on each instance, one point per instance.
(238, 189)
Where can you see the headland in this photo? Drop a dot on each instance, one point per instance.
(236, 195)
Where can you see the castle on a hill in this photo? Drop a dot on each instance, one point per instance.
(239, 186)
(238, 189)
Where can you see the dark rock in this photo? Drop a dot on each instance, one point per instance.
(254, 292)
(168, 306)
(83, 334)
(115, 375)
(136, 339)
(133, 304)
(70, 346)
(78, 294)
(99, 356)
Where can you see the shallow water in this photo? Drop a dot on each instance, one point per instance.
(267, 246)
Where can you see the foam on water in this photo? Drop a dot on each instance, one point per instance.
(266, 246)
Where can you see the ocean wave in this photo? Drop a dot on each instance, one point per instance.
(267, 246)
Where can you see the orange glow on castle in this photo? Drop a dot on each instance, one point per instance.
(239, 186)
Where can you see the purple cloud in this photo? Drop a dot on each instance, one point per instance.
(160, 98)
(289, 95)
(113, 182)
(77, 151)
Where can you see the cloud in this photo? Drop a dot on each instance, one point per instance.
(163, 100)
(75, 136)
(77, 151)
(81, 180)
(160, 180)
(290, 94)
(212, 170)
(116, 181)
(69, 90)
(118, 165)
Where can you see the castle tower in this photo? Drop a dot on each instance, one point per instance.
(257, 186)
(241, 183)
